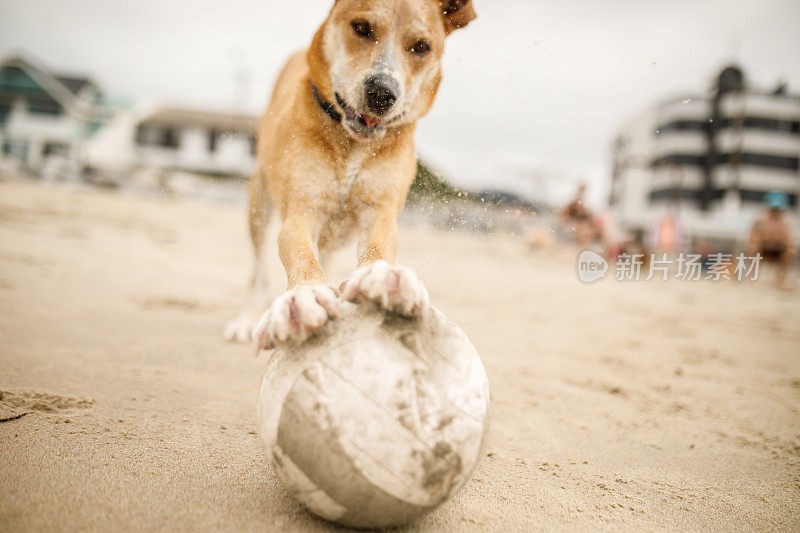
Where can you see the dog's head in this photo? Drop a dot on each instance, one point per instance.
(380, 60)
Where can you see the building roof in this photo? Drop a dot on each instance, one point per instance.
(75, 85)
(65, 89)
(184, 117)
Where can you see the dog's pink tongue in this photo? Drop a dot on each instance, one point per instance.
(369, 121)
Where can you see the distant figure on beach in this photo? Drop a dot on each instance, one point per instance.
(667, 234)
(771, 236)
(577, 220)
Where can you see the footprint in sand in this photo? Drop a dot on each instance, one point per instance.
(178, 304)
(16, 404)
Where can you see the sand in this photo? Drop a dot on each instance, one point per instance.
(616, 406)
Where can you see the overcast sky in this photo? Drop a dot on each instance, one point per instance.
(532, 88)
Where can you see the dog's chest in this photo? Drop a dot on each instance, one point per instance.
(347, 210)
(351, 174)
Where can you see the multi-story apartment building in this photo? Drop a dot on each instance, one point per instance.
(708, 161)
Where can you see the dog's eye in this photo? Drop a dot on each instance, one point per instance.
(362, 28)
(421, 47)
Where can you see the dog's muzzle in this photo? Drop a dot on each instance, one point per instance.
(381, 93)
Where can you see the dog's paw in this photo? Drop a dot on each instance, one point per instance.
(394, 288)
(240, 329)
(295, 315)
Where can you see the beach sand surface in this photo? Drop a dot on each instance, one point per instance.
(617, 406)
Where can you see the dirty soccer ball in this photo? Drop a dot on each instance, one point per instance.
(376, 420)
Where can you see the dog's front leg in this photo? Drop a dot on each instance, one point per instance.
(296, 249)
(394, 288)
(308, 303)
(382, 239)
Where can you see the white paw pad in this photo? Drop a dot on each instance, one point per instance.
(394, 288)
(240, 329)
(295, 315)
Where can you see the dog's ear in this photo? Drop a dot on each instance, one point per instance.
(457, 13)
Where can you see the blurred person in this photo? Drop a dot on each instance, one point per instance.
(633, 245)
(771, 236)
(667, 235)
(578, 221)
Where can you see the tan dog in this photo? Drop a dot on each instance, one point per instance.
(336, 158)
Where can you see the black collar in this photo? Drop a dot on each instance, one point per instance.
(326, 106)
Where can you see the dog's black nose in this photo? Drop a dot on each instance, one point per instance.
(382, 92)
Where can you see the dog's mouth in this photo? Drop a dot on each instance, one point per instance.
(365, 120)
(363, 126)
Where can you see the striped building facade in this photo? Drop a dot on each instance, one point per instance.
(709, 161)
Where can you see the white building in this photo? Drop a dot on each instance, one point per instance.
(44, 117)
(708, 161)
(58, 125)
(173, 138)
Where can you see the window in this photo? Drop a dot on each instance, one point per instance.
(54, 148)
(5, 108)
(16, 149)
(744, 158)
(164, 137)
(14, 80)
(44, 106)
(680, 159)
(683, 125)
(169, 138)
(675, 194)
(761, 123)
(213, 140)
(748, 195)
(761, 160)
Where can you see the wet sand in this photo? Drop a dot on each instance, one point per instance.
(618, 406)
